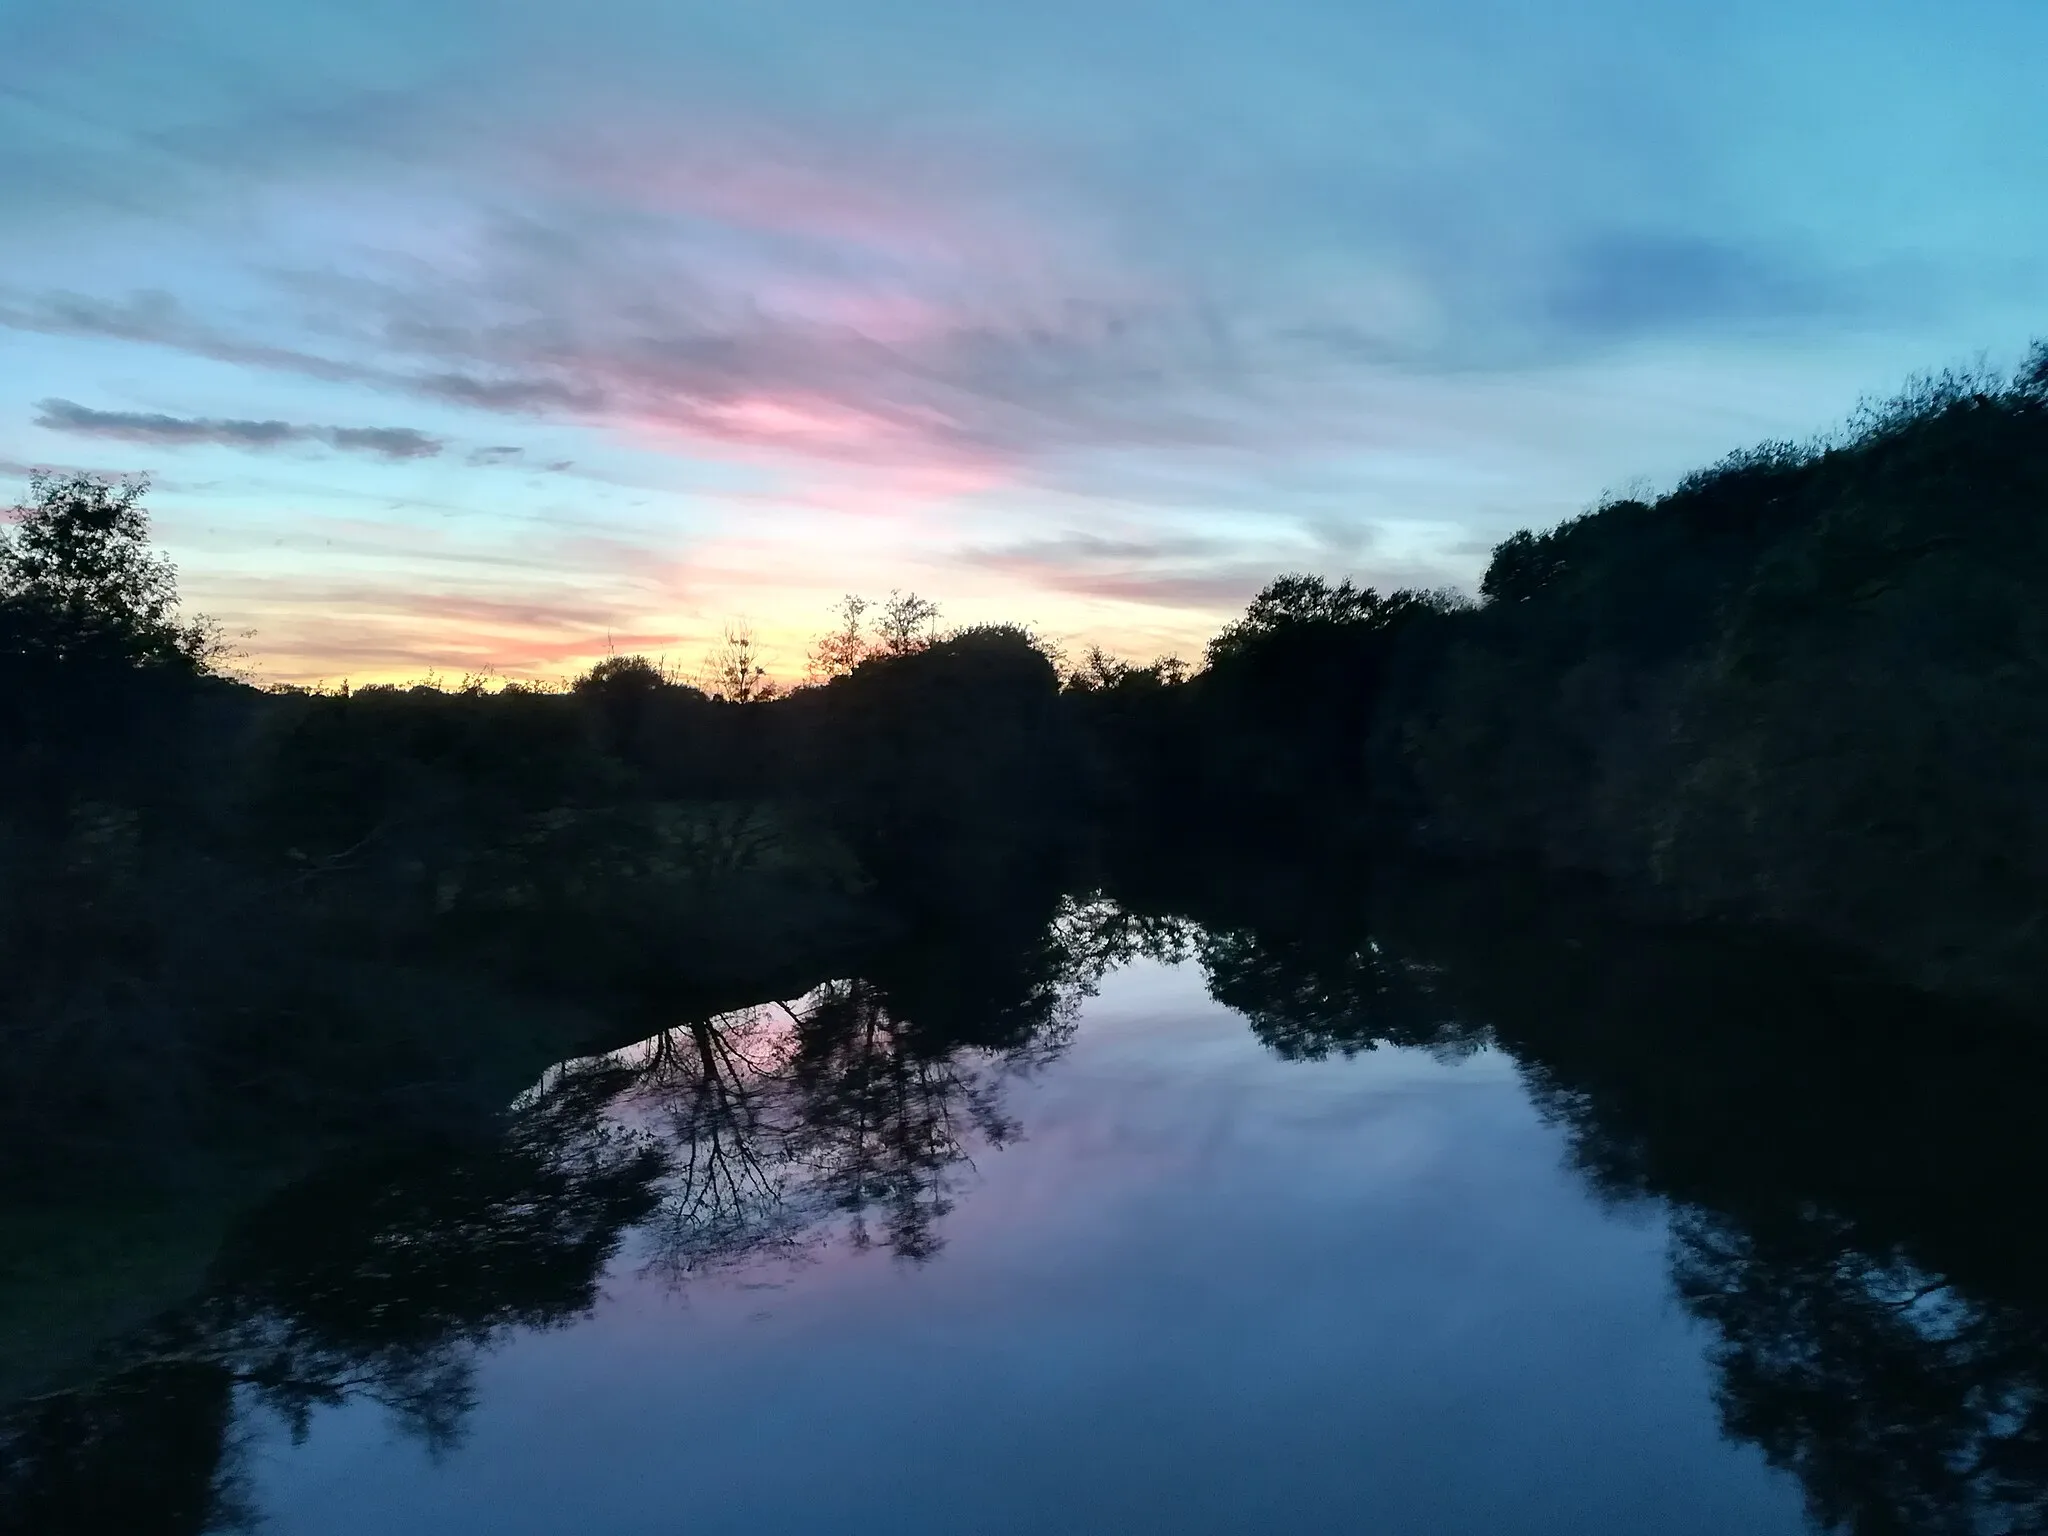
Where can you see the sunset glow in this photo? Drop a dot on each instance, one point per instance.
(469, 338)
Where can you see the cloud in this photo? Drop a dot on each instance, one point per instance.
(309, 626)
(1177, 571)
(1618, 285)
(814, 352)
(383, 442)
(1096, 549)
(156, 318)
(996, 306)
(1198, 574)
(395, 444)
(879, 249)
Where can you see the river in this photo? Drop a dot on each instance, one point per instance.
(1186, 1226)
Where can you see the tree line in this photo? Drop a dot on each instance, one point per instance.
(1808, 688)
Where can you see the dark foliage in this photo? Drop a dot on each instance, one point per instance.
(947, 765)
(233, 914)
(1807, 690)
(1847, 1163)
(1809, 687)
(845, 1115)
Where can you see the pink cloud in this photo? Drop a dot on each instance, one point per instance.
(921, 203)
(1211, 591)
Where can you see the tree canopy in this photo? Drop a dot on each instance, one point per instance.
(79, 580)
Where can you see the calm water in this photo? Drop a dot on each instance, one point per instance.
(1132, 1260)
(1201, 1289)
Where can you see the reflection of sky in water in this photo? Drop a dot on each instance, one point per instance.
(1207, 1290)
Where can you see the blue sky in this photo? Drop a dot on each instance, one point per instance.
(488, 335)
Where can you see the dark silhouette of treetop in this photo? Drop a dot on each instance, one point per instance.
(1297, 603)
(78, 579)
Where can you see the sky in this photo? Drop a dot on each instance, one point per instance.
(469, 336)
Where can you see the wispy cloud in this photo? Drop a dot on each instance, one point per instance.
(390, 443)
(1200, 574)
(917, 285)
(1172, 571)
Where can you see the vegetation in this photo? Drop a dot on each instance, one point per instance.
(231, 915)
(248, 935)
(1807, 689)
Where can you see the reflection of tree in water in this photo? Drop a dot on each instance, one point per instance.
(1867, 1262)
(884, 1124)
(381, 1280)
(860, 1102)
(1298, 958)
(1903, 1403)
(1851, 1185)
(714, 1094)
(1864, 1340)
(384, 1279)
(724, 1138)
(1851, 1173)
(1308, 997)
(144, 1453)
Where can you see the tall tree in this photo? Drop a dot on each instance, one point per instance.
(78, 579)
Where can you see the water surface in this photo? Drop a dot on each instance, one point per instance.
(1284, 1225)
(1201, 1289)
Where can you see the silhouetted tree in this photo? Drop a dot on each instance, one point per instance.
(840, 650)
(734, 670)
(80, 582)
(908, 623)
